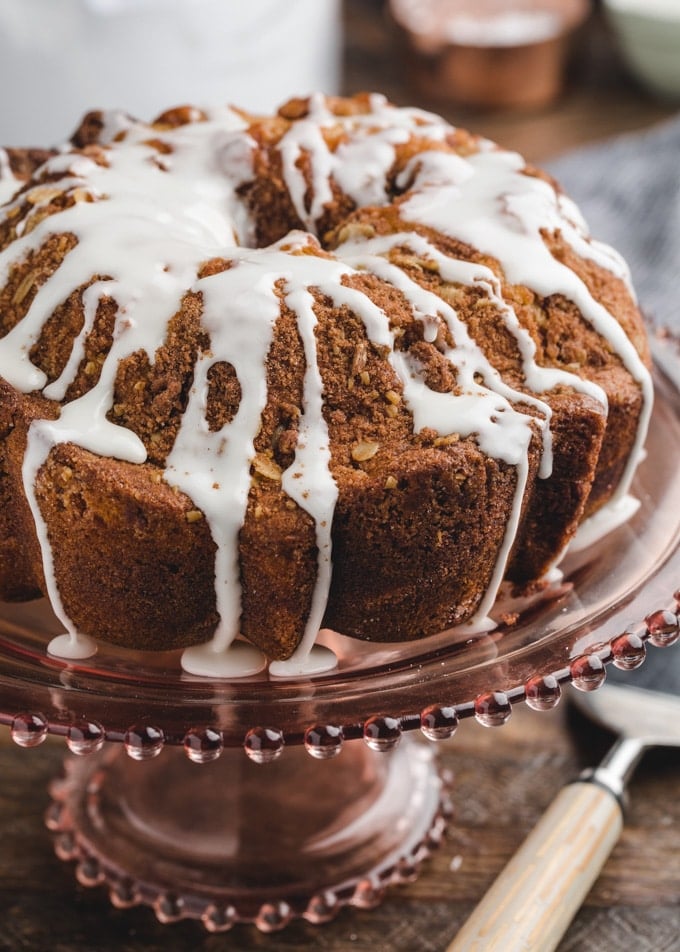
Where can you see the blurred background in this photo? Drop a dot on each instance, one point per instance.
(61, 58)
(539, 75)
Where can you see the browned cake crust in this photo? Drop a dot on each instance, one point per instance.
(420, 518)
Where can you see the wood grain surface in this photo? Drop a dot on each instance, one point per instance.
(504, 777)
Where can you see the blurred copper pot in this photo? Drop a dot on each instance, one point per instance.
(489, 53)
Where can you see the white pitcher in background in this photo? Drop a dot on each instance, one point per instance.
(60, 58)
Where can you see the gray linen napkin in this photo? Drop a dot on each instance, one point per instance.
(628, 189)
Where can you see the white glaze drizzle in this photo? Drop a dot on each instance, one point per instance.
(309, 481)
(115, 122)
(361, 164)
(501, 432)
(502, 211)
(219, 488)
(586, 246)
(616, 512)
(157, 217)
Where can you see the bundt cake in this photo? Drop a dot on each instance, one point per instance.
(344, 367)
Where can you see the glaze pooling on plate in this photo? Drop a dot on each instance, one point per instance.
(152, 217)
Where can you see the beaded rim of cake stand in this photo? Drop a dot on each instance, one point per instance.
(587, 672)
(381, 732)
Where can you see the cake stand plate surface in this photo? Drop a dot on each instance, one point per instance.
(279, 833)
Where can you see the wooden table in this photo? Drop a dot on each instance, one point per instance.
(504, 778)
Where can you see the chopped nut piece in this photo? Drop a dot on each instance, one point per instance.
(359, 359)
(406, 261)
(393, 397)
(267, 467)
(355, 230)
(65, 243)
(364, 450)
(390, 482)
(25, 287)
(179, 116)
(82, 195)
(194, 515)
(42, 194)
(447, 440)
(65, 474)
(365, 377)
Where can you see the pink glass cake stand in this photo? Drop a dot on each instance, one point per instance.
(291, 829)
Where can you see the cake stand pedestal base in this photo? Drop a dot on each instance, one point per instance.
(234, 841)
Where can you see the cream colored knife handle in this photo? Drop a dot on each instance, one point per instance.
(531, 904)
